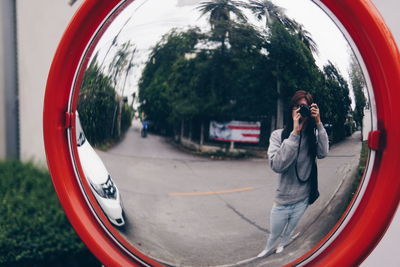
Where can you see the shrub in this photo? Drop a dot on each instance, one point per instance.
(34, 230)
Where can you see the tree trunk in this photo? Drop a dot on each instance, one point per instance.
(190, 130)
(272, 127)
(119, 118)
(232, 146)
(201, 134)
(279, 102)
(113, 122)
(182, 129)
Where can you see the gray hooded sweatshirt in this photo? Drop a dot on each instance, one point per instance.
(282, 159)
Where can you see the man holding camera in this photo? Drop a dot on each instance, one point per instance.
(292, 154)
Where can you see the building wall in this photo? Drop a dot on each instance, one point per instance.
(2, 91)
(8, 82)
(41, 24)
(3, 140)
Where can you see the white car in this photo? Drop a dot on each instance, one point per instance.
(103, 187)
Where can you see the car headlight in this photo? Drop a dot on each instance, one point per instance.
(106, 190)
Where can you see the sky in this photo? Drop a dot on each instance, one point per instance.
(144, 22)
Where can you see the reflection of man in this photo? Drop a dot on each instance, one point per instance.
(145, 125)
(145, 128)
(292, 153)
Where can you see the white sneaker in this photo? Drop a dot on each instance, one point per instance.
(279, 249)
(262, 253)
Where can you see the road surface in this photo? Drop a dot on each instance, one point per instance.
(190, 210)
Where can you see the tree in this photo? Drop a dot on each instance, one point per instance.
(96, 105)
(122, 98)
(271, 12)
(154, 85)
(208, 85)
(293, 67)
(220, 10)
(275, 14)
(275, 17)
(337, 103)
(119, 63)
(220, 16)
(305, 37)
(358, 85)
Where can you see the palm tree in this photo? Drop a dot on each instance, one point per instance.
(117, 65)
(220, 16)
(220, 11)
(271, 12)
(305, 37)
(275, 14)
(220, 21)
(121, 98)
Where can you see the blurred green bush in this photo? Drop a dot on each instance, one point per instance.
(34, 230)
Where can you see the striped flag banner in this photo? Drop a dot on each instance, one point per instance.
(235, 131)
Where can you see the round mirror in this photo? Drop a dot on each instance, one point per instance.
(176, 132)
(209, 133)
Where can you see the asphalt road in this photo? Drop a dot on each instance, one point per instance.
(188, 210)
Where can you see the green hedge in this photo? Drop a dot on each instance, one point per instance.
(34, 230)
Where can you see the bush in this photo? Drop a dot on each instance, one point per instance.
(99, 109)
(34, 230)
(360, 170)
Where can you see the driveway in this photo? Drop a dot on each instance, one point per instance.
(190, 210)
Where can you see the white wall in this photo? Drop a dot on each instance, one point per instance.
(41, 24)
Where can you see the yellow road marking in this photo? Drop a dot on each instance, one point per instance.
(212, 192)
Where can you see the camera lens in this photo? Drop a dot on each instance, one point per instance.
(305, 111)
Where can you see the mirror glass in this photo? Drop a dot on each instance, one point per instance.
(179, 112)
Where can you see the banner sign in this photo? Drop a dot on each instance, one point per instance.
(235, 131)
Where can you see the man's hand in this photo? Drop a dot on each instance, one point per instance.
(297, 125)
(315, 113)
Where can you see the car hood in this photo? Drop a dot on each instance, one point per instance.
(92, 165)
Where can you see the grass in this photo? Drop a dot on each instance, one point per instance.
(360, 169)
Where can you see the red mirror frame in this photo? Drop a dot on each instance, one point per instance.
(364, 228)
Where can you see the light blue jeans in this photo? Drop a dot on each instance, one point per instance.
(283, 220)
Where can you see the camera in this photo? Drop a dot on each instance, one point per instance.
(305, 110)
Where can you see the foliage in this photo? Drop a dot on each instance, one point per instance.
(274, 14)
(214, 84)
(220, 10)
(293, 64)
(335, 103)
(98, 106)
(34, 230)
(120, 62)
(235, 71)
(358, 84)
(364, 154)
(154, 89)
(127, 115)
(271, 12)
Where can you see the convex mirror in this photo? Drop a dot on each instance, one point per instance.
(166, 114)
